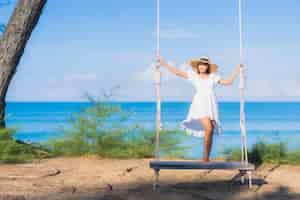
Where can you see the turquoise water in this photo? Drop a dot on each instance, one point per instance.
(37, 122)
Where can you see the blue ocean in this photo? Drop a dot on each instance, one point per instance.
(270, 121)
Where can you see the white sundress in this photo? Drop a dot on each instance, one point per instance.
(204, 104)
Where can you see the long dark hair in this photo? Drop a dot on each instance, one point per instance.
(208, 68)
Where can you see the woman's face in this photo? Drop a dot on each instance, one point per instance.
(202, 68)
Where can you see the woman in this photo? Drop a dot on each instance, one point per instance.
(203, 119)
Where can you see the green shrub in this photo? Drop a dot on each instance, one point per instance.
(14, 151)
(293, 157)
(6, 134)
(263, 152)
(90, 133)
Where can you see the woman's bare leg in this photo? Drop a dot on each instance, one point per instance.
(208, 136)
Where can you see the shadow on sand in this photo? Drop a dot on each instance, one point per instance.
(206, 190)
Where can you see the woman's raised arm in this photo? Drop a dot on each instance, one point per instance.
(172, 69)
(233, 76)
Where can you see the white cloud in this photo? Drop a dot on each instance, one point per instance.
(273, 89)
(80, 77)
(290, 88)
(148, 74)
(177, 33)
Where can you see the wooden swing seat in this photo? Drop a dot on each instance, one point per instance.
(218, 165)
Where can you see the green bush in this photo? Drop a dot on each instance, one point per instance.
(14, 151)
(90, 133)
(293, 157)
(263, 152)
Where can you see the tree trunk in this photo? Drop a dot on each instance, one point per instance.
(13, 42)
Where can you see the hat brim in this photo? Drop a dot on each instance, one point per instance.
(194, 64)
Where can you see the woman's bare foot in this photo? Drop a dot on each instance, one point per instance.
(206, 160)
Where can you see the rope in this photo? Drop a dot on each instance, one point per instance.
(158, 31)
(244, 156)
(157, 81)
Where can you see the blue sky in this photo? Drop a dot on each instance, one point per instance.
(91, 46)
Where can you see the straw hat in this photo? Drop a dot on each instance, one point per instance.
(203, 60)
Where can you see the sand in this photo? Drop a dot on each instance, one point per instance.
(88, 178)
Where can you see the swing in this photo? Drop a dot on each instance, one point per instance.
(243, 166)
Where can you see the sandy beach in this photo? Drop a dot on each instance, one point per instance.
(92, 177)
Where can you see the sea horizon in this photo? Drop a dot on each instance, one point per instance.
(124, 101)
